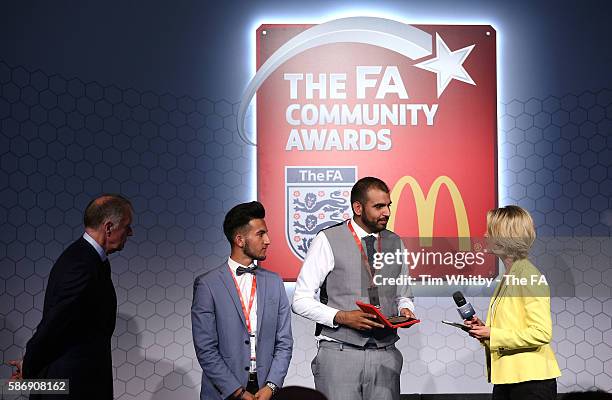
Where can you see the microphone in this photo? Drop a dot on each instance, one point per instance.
(465, 309)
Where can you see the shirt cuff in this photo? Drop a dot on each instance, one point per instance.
(405, 302)
(330, 313)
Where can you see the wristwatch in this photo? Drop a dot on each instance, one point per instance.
(273, 387)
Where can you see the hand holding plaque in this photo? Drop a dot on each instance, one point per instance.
(392, 322)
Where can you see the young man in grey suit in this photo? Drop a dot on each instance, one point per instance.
(241, 316)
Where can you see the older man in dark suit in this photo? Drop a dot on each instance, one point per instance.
(73, 339)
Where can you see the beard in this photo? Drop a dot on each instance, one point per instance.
(248, 251)
(374, 225)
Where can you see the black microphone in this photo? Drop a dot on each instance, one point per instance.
(465, 309)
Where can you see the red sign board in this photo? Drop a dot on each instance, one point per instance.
(344, 109)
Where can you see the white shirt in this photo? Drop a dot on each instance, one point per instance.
(319, 262)
(244, 283)
(96, 246)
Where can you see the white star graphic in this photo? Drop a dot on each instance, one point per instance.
(448, 65)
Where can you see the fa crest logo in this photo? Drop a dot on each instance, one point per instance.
(315, 198)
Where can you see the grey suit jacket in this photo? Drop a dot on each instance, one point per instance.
(220, 335)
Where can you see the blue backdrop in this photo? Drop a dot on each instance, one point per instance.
(141, 98)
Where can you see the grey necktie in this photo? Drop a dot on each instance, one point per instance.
(369, 242)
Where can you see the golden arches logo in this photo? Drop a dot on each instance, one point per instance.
(426, 206)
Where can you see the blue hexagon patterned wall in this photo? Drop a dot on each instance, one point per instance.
(183, 165)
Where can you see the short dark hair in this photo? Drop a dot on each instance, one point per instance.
(360, 189)
(107, 206)
(240, 216)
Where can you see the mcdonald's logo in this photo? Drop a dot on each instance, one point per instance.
(426, 206)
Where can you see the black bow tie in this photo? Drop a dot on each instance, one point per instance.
(243, 270)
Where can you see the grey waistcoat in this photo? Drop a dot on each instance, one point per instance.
(349, 280)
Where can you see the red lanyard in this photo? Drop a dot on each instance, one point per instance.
(360, 246)
(246, 312)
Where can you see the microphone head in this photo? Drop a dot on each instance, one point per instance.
(459, 299)
(465, 309)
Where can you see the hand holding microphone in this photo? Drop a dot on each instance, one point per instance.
(473, 322)
(478, 329)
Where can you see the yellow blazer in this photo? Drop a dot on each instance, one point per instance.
(521, 329)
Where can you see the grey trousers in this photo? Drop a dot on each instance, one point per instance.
(347, 373)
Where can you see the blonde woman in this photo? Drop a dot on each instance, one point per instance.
(517, 335)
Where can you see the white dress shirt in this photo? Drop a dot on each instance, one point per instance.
(319, 262)
(244, 283)
(96, 246)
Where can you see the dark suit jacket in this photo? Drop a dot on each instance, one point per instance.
(73, 339)
(221, 338)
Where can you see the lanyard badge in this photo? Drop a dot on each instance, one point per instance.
(253, 363)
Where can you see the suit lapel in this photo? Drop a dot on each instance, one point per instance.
(104, 288)
(109, 288)
(503, 288)
(228, 282)
(499, 296)
(261, 299)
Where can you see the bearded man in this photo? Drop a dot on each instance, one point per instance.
(357, 357)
